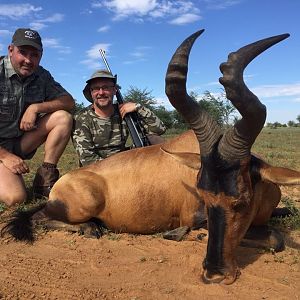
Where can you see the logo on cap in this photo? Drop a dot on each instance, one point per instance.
(30, 34)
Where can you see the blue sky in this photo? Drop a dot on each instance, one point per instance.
(140, 36)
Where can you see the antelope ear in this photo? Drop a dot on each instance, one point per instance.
(191, 160)
(279, 175)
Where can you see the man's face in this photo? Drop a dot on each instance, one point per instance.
(24, 59)
(102, 91)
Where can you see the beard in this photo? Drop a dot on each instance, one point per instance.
(103, 102)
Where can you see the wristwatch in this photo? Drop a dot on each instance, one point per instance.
(138, 106)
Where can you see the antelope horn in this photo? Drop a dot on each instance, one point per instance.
(205, 128)
(237, 142)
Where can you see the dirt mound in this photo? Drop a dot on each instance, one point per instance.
(121, 266)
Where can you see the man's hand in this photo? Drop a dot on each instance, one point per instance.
(127, 108)
(29, 117)
(14, 163)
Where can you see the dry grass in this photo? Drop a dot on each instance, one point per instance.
(280, 147)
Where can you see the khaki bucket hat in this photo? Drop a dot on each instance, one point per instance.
(98, 74)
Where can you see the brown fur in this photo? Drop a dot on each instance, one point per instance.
(254, 207)
(147, 190)
(133, 191)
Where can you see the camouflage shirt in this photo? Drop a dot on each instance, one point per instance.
(17, 94)
(96, 138)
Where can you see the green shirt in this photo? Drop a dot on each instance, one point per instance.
(96, 138)
(17, 94)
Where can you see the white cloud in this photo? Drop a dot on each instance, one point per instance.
(212, 83)
(281, 90)
(282, 115)
(93, 53)
(248, 76)
(185, 19)
(51, 43)
(124, 8)
(55, 44)
(4, 32)
(103, 28)
(275, 93)
(41, 23)
(221, 4)
(174, 8)
(53, 19)
(91, 64)
(93, 60)
(140, 51)
(86, 12)
(139, 54)
(181, 11)
(16, 11)
(130, 62)
(164, 101)
(37, 26)
(296, 100)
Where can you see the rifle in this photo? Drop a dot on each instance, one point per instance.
(132, 121)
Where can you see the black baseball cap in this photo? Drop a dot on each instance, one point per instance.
(27, 37)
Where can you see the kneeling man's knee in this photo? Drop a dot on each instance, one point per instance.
(63, 117)
(14, 198)
(62, 121)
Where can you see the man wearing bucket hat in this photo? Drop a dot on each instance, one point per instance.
(33, 110)
(100, 129)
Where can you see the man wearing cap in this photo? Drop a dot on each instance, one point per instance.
(100, 130)
(33, 110)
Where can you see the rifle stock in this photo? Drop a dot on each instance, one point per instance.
(135, 128)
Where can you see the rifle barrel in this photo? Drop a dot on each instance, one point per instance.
(132, 126)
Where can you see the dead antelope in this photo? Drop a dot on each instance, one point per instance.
(163, 187)
(237, 188)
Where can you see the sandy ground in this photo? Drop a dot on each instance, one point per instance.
(61, 265)
(66, 266)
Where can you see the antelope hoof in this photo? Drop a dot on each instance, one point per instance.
(227, 279)
(263, 237)
(176, 234)
(282, 212)
(90, 230)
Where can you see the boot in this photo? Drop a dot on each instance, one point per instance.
(45, 177)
